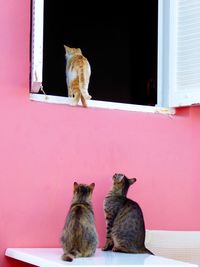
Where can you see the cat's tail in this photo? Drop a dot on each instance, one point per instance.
(67, 257)
(147, 251)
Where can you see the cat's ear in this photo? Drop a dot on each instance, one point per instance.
(132, 181)
(66, 48)
(92, 186)
(75, 185)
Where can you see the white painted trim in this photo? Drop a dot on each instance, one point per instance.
(166, 52)
(164, 49)
(160, 54)
(184, 53)
(102, 104)
(172, 52)
(37, 45)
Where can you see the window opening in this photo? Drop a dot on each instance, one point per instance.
(121, 48)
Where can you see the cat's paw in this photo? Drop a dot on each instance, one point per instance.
(108, 246)
(88, 97)
(118, 249)
(74, 102)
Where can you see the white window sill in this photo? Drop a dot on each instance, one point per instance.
(103, 104)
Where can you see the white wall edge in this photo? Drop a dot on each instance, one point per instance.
(102, 104)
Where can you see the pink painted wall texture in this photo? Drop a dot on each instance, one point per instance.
(45, 148)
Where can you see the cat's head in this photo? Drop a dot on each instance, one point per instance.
(121, 183)
(83, 191)
(121, 178)
(69, 52)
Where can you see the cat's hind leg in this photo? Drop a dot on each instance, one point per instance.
(122, 246)
(109, 245)
(131, 250)
(77, 96)
(83, 102)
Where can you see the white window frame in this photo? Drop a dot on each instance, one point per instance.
(178, 26)
(166, 62)
(37, 45)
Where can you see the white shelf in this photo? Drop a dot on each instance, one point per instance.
(51, 257)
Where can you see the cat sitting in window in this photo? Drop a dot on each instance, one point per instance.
(78, 73)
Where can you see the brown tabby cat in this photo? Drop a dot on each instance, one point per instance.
(124, 217)
(78, 73)
(79, 236)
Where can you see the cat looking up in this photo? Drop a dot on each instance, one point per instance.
(79, 236)
(78, 73)
(124, 218)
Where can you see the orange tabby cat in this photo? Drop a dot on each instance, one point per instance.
(77, 75)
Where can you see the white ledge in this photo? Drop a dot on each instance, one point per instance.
(51, 257)
(102, 104)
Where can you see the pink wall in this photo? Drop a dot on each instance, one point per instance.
(45, 148)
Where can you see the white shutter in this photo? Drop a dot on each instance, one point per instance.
(37, 45)
(179, 53)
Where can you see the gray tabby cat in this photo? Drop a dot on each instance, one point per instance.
(124, 217)
(79, 236)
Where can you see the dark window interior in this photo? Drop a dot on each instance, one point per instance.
(120, 44)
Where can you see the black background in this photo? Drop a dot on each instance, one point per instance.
(119, 41)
